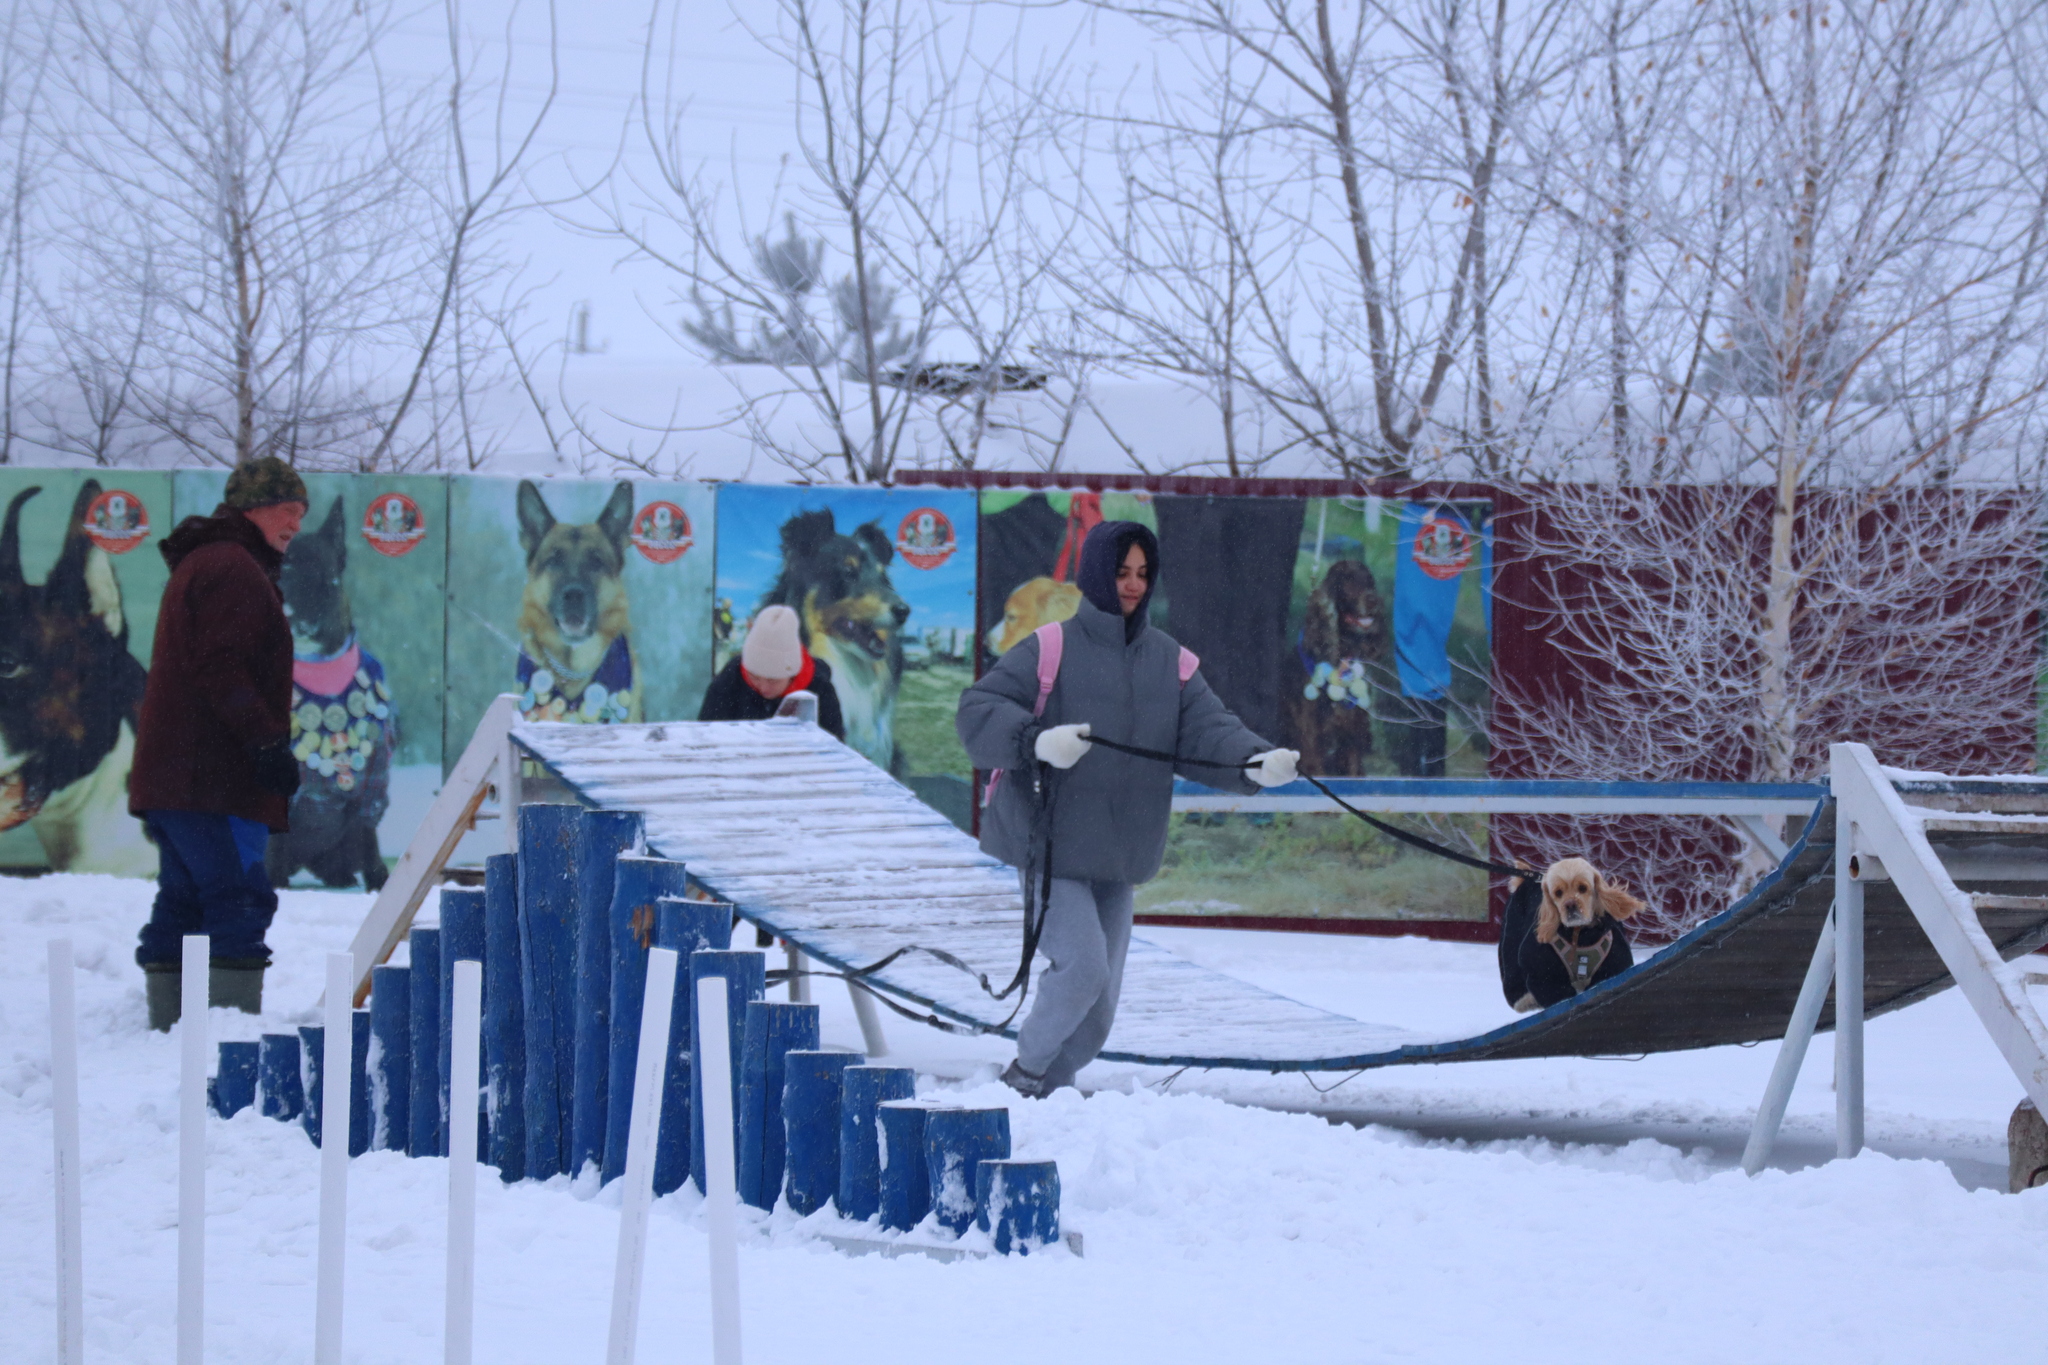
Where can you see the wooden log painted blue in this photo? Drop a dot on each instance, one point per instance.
(1017, 1203)
(688, 927)
(234, 1079)
(956, 1141)
(428, 1123)
(747, 976)
(906, 1191)
(604, 835)
(277, 1076)
(504, 1018)
(860, 1168)
(548, 836)
(390, 1059)
(638, 884)
(312, 1039)
(462, 940)
(672, 1139)
(773, 1030)
(359, 1083)
(810, 1116)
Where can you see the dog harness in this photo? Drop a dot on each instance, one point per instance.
(1582, 964)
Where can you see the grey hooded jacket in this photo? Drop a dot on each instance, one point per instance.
(1109, 811)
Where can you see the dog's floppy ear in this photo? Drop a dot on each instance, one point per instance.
(617, 518)
(803, 533)
(1549, 919)
(1319, 621)
(870, 534)
(1614, 898)
(535, 520)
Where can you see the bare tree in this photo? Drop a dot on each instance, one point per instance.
(24, 72)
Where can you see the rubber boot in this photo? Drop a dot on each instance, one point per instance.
(235, 984)
(163, 984)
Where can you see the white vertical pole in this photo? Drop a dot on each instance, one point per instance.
(714, 1053)
(873, 1041)
(1848, 996)
(337, 1061)
(650, 1071)
(463, 1063)
(799, 984)
(192, 1151)
(64, 1130)
(1813, 993)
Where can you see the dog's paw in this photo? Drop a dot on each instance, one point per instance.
(1527, 1004)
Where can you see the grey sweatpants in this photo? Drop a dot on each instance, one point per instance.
(1087, 932)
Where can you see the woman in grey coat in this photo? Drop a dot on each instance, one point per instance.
(1105, 812)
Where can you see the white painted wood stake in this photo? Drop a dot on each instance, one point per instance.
(713, 1036)
(336, 1063)
(463, 1062)
(64, 1131)
(650, 1071)
(192, 1151)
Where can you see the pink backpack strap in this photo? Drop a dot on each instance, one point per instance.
(1188, 664)
(1052, 642)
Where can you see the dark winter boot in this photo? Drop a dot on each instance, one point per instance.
(235, 983)
(163, 984)
(1024, 1083)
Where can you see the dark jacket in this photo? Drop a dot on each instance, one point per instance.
(730, 698)
(1110, 810)
(220, 675)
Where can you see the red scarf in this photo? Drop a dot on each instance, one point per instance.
(796, 684)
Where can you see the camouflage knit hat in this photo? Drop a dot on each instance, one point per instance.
(264, 482)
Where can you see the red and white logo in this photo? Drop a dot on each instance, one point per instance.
(925, 539)
(1443, 545)
(393, 525)
(116, 521)
(661, 531)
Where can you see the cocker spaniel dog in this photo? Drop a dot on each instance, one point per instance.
(1563, 933)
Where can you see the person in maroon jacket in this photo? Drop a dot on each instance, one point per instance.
(214, 772)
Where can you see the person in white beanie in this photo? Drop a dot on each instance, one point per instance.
(772, 663)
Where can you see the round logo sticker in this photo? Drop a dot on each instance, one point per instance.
(1443, 545)
(393, 525)
(925, 539)
(116, 521)
(662, 532)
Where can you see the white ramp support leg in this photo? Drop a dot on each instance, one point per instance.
(799, 984)
(64, 1134)
(192, 1152)
(464, 1065)
(1848, 1001)
(873, 1041)
(721, 1194)
(650, 1069)
(336, 1062)
(1813, 994)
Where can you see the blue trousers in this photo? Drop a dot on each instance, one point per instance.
(210, 880)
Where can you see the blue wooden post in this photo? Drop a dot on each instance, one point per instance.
(312, 1042)
(462, 940)
(234, 1080)
(604, 835)
(810, 1114)
(747, 973)
(277, 1067)
(548, 836)
(955, 1142)
(638, 884)
(774, 1029)
(359, 1083)
(391, 1059)
(429, 1126)
(860, 1168)
(688, 927)
(504, 1018)
(1018, 1204)
(672, 1143)
(906, 1190)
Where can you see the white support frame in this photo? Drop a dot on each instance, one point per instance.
(489, 765)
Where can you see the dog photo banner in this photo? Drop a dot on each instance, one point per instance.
(80, 583)
(883, 584)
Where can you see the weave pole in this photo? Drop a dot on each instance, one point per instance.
(64, 1133)
(721, 1190)
(192, 1151)
(638, 1191)
(465, 1042)
(335, 1084)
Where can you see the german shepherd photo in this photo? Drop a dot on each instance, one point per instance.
(576, 660)
(852, 618)
(70, 697)
(344, 721)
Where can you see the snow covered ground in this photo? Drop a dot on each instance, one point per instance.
(1582, 1210)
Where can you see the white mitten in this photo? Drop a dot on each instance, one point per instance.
(1275, 767)
(1062, 746)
